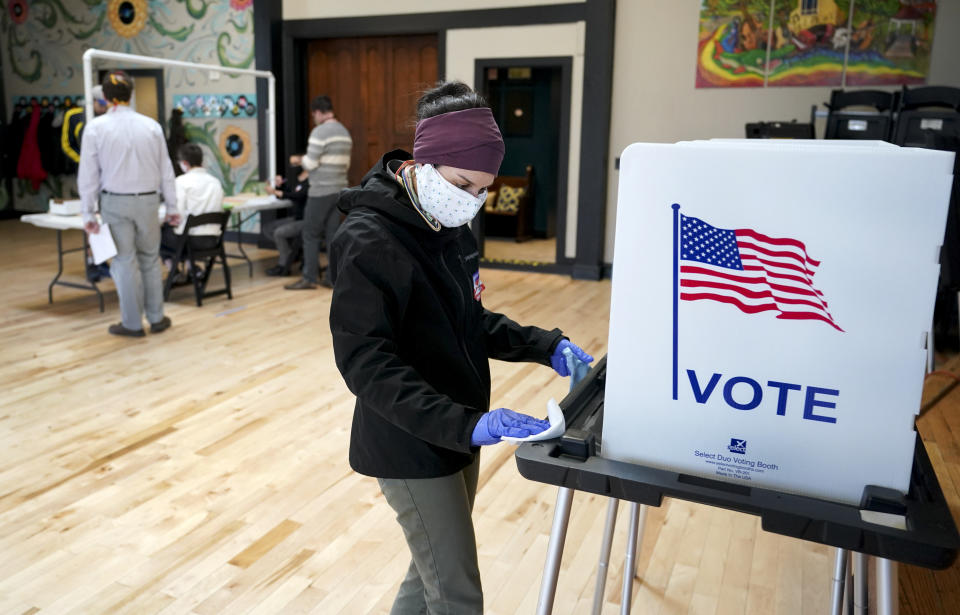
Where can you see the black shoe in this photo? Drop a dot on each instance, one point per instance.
(324, 282)
(119, 329)
(301, 284)
(160, 327)
(93, 274)
(278, 271)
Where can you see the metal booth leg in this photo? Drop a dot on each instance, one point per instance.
(888, 598)
(605, 555)
(638, 517)
(558, 534)
(859, 584)
(839, 578)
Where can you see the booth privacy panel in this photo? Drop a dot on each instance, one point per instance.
(769, 311)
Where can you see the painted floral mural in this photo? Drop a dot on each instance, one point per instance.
(43, 42)
(43, 37)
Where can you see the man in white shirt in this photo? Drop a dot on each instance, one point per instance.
(124, 163)
(198, 192)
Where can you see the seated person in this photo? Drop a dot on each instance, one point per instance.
(198, 192)
(285, 232)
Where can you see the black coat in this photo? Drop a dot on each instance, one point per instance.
(411, 337)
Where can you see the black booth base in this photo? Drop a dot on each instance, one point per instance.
(930, 540)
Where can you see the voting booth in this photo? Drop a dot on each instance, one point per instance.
(770, 311)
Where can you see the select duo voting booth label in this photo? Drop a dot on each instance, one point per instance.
(770, 311)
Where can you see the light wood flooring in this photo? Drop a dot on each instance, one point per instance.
(204, 470)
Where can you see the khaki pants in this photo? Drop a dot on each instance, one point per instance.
(444, 577)
(136, 271)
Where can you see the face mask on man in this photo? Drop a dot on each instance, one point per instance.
(449, 205)
(184, 167)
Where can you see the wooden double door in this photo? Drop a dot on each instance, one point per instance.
(374, 83)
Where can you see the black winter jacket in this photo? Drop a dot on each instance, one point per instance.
(410, 334)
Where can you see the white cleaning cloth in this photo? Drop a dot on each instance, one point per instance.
(557, 425)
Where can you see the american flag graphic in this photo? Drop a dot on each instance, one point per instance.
(749, 270)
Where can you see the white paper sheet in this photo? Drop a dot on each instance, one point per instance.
(558, 425)
(101, 244)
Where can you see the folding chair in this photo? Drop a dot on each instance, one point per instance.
(779, 130)
(195, 249)
(875, 124)
(926, 115)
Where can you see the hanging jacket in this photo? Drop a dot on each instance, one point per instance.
(71, 134)
(29, 165)
(48, 139)
(19, 122)
(410, 334)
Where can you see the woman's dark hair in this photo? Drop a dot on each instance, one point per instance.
(448, 96)
(191, 154)
(117, 85)
(322, 104)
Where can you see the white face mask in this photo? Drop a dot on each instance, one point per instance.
(446, 203)
(184, 167)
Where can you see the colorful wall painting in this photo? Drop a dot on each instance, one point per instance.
(757, 43)
(43, 42)
(890, 42)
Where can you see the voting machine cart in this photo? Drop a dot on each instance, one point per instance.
(927, 535)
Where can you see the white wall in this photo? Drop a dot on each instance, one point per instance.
(654, 98)
(464, 47)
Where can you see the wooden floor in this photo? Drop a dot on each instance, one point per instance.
(205, 471)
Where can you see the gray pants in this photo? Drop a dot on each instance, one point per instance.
(283, 232)
(444, 576)
(320, 221)
(135, 270)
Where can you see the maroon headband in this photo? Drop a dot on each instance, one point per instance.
(467, 139)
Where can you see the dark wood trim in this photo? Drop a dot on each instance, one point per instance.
(268, 49)
(292, 54)
(442, 55)
(422, 23)
(595, 138)
(565, 64)
(9, 211)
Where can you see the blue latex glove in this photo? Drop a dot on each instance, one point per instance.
(502, 422)
(559, 361)
(577, 368)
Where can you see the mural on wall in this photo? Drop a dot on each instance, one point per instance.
(217, 105)
(231, 149)
(755, 43)
(733, 41)
(43, 42)
(43, 36)
(808, 42)
(890, 42)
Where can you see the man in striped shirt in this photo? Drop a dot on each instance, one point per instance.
(327, 160)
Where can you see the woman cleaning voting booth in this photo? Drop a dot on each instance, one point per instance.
(603, 307)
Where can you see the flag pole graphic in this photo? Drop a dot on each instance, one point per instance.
(676, 289)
